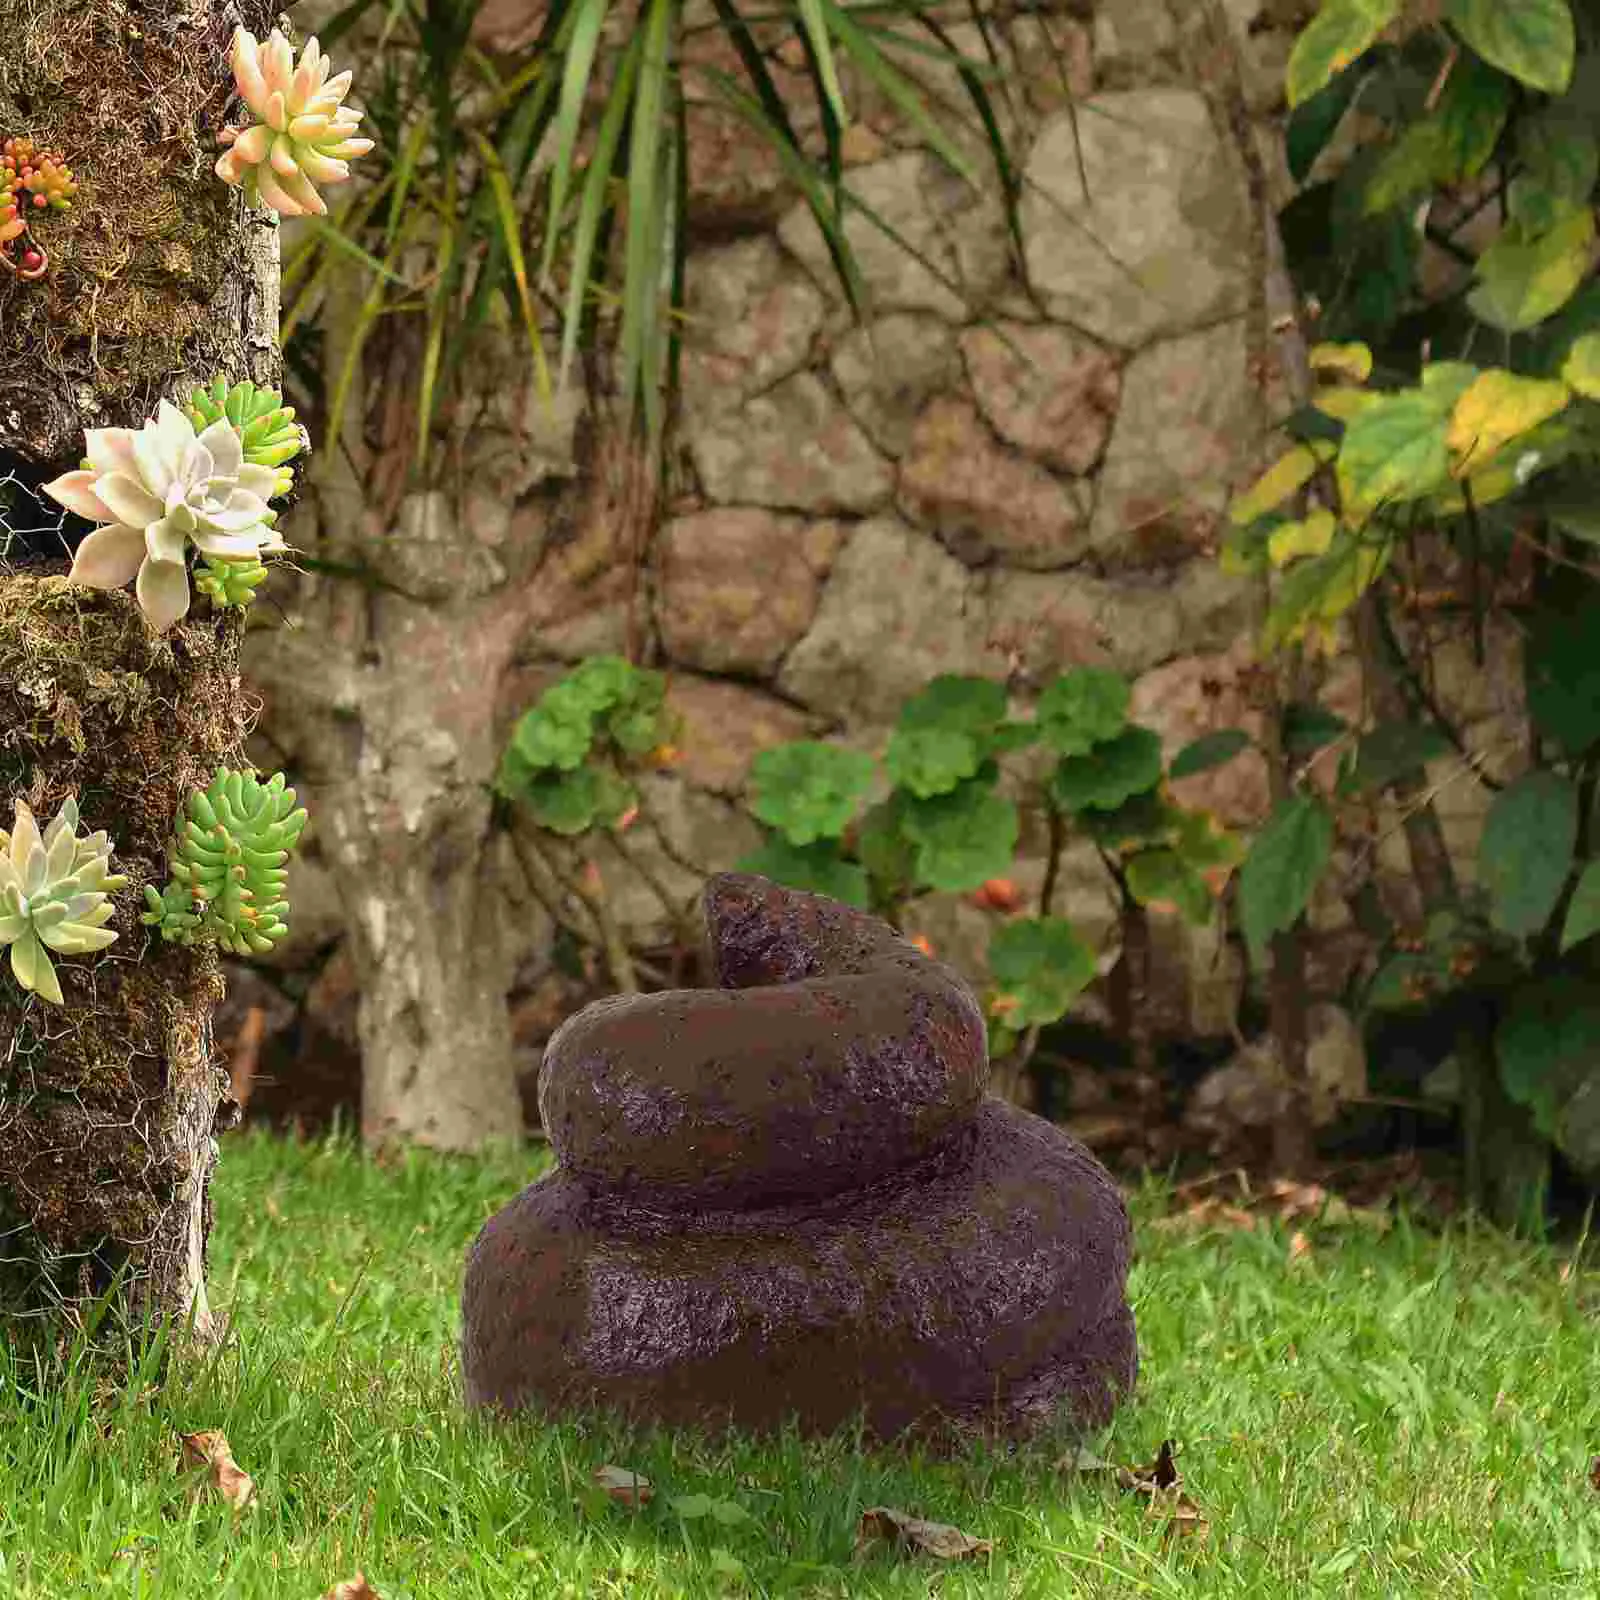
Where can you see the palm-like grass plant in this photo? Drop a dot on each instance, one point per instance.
(553, 184)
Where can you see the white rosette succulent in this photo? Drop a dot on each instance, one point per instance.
(53, 890)
(158, 490)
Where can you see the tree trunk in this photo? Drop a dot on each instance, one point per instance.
(158, 280)
(385, 689)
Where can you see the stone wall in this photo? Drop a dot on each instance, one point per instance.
(1018, 463)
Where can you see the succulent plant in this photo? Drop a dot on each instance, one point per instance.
(32, 180)
(159, 490)
(228, 879)
(53, 890)
(229, 583)
(265, 425)
(303, 134)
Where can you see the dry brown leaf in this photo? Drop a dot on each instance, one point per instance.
(1594, 1474)
(1210, 1212)
(1299, 1246)
(356, 1588)
(625, 1487)
(885, 1525)
(1161, 1484)
(209, 1449)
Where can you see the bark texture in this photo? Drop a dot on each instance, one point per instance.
(159, 280)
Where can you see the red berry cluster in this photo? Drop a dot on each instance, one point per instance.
(31, 180)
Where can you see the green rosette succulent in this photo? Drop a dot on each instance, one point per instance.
(53, 890)
(270, 435)
(229, 883)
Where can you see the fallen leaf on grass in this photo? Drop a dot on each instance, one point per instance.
(356, 1588)
(885, 1525)
(1160, 1483)
(1594, 1474)
(1211, 1212)
(1299, 1246)
(209, 1449)
(626, 1488)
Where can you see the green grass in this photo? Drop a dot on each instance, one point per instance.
(1407, 1414)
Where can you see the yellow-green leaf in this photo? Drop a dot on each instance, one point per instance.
(1341, 32)
(1324, 588)
(1343, 404)
(1498, 408)
(1309, 537)
(1581, 369)
(1394, 451)
(1521, 282)
(1274, 486)
(1533, 40)
(1353, 361)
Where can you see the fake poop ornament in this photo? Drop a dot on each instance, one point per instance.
(788, 1198)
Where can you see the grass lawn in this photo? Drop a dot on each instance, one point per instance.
(1383, 1415)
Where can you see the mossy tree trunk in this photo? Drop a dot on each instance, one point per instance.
(159, 279)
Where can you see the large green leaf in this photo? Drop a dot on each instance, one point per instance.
(573, 802)
(928, 761)
(1341, 32)
(1451, 144)
(1522, 280)
(1314, 121)
(808, 790)
(963, 838)
(1082, 708)
(1395, 749)
(956, 702)
(1110, 774)
(1583, 910)
(1525, 852)
(1040, 966)
(1563, 666)
(1287, 859)
(1548, 1046)
(817, 868)
(1208, 751)
(1533, 40)
(1395, 450)
(1163, 878)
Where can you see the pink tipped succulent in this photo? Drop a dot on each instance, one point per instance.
(303, 134)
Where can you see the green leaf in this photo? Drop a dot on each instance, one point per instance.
(1208, 751)
(1204, 843)
(1558, 151)
(963, 838)
(1525, 852)
(1110, 774)
(1340, 33)
(1163, 877)
(958, 703)
(1581, 369)
(1287, 859)
(1323, 588)
(1083, 708)
(572, 802)
(554, 734)
(1043, 965)
(1146, 819)
(881, 842)
(1562, 666)
(1314, 121)
(809, 790)
(1522, 281)
(817, 868)
(930, 761)
(1533, 40)
(600, 682)
(1583, 910)
(1394, 450)
(1548, 1045)
(1394, 749)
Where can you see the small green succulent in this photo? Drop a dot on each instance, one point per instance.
(229, 583)
(228, 881)
(271, 436)
(53, 892)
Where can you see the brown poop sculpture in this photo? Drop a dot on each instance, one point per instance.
(788, 1198)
